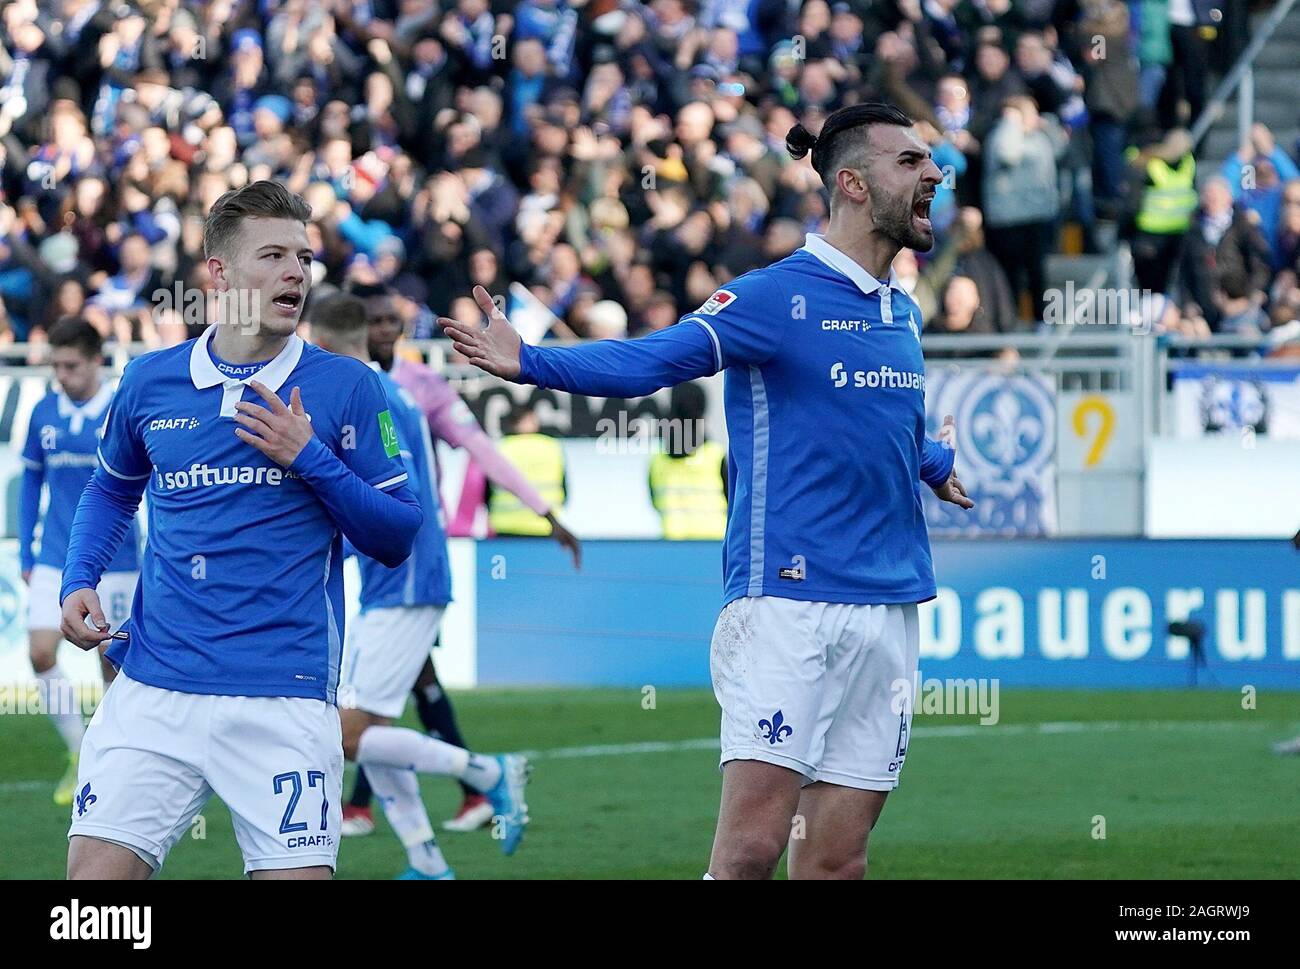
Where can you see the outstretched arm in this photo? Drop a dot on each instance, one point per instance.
(451, 420)
(607, 368)
(505, 475)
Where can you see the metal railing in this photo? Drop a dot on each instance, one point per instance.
(1088, 358)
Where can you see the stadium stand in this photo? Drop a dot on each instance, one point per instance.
(610, 156)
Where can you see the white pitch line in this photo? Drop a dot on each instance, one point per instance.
(1087, 726)
(940, 733)
(956, 730)
(622, 750)
(20, 786)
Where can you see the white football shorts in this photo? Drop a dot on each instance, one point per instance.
(151, 758)
(822, 688)
(116, 590)
(386, 649)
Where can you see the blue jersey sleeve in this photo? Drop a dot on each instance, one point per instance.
(365, 488)
(104, 516)
(740, 325)
(622, 368)
(122, 452)
(373, 450)
(937, 460)
(748, 318)
(29, 492)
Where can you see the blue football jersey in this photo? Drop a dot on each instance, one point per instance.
(825, 409)
(241, 585)
(62, 441)
(425, 577)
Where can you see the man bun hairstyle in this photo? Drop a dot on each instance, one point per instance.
(837, 134)
(799, 141)
(261, 199)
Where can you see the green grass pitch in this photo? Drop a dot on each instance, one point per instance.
(1184, 783)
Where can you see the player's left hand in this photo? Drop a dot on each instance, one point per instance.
(281, 432)
(952, 490)
(566, 538)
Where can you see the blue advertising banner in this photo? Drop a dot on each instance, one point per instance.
(1096, 613)
(1045, 613)
(639, 612)
(1031, 613)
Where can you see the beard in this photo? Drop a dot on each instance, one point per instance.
(898, 222)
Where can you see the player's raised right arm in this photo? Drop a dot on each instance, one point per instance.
(606, 368)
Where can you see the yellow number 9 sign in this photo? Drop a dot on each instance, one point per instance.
(1094, 416)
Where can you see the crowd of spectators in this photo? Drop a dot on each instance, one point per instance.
(609, 162)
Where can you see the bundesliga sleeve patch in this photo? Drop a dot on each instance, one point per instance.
(388, 433)
(717, 302)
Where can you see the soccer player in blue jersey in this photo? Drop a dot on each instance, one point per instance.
(826, 554)
(259, 453)
(389, 643)
(58, 460)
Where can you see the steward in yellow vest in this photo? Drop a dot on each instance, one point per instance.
(688, 492)
(688, 479)
(540, 459)
(1163, 177)
(1170, 198)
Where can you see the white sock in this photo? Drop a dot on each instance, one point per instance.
(60, 702)
(482, 773)
(399, 794)
(708, 878)
(426, 858)
(412, 750)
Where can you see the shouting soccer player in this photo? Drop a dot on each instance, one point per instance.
(826, 553)
(257, 451)
(389, 643)
(62, 437)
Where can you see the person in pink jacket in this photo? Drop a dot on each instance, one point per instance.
(449, 420)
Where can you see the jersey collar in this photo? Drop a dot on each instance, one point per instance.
(205, 374)
(816, 244)
(90, 409)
